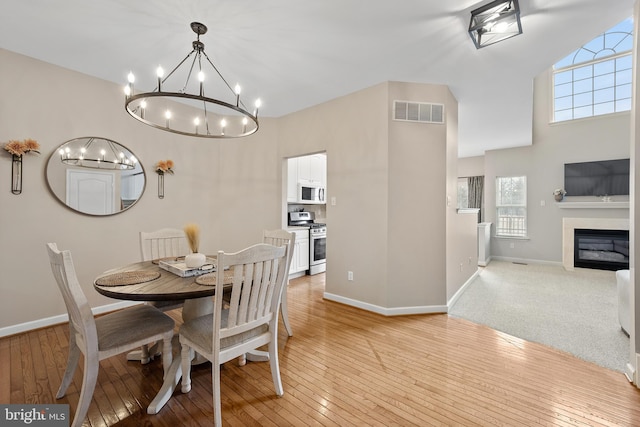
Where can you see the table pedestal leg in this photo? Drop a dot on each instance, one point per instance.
(171, 379)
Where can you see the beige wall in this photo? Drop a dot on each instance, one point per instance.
(389, 181)
(471, 166)
(217, 184)
(417, 202)
(353, 131)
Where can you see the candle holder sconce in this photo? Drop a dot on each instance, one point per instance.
(16, 174)
(18, 149)
(160, 185)
(162, 167)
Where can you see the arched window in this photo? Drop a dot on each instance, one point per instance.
(595, 79)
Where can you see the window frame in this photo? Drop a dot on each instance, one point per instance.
(499, 203)
(594, 99)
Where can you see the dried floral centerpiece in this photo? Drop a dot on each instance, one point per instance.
(17, 149)
(194, 259)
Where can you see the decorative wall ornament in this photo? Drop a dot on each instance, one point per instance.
(17, 149)
(162, 167)
(558, 194)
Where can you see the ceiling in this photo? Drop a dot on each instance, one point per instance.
(294, 54)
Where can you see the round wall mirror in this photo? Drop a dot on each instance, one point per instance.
(95, 176)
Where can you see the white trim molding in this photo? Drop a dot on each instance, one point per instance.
(457, 295)
(62, 318)
(394, 311)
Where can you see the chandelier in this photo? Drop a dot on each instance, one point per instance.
(96, 153)
(494, 22)
(196, 113)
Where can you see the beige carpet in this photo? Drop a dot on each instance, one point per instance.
(573, 311)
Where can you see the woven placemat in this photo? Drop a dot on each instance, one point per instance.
(209, 279)
(127, 278)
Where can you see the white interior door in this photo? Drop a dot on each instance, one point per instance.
(90, 192)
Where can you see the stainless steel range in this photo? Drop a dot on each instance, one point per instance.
(317, 248)
(317, 239)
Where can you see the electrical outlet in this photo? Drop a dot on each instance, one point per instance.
(461, 266)
(333, 201)
(512, 245)
(349, 275)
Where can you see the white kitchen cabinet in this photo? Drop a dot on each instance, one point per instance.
(309, 168)
(300, 259)
(318, 168)
(292, 180)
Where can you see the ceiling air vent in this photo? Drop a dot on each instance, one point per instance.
(418, 112)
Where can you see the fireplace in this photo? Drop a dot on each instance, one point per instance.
(569, 225)
(601, 249)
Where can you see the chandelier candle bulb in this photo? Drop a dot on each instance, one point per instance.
(160, 73)
(258, 104)
(131, 78)
(237, 90)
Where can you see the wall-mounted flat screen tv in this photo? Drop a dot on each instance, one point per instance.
(601, 178)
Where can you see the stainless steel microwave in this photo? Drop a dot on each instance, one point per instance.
(310, 192)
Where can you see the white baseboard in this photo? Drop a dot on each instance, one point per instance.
(527, 261)
(484, 263)
(629, 372)
(62, 318)
(396, 311)
(455, 297)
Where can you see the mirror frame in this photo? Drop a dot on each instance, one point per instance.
(55, 159)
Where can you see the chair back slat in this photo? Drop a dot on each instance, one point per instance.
(164, 243)
(81, 321)
(280, 238)
(258, 276)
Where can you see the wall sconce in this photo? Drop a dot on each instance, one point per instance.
(18, 149)
(162, 167)
(494, 22)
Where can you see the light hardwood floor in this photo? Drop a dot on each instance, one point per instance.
(345, 367)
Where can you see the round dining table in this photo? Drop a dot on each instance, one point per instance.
(147, 281)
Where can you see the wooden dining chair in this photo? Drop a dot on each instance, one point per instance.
(257, 277)
(102, 337)
(162, 243)
(279, 238)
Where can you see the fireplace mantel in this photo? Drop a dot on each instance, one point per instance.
(570, 224)
(593, 205)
